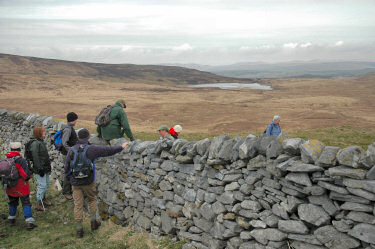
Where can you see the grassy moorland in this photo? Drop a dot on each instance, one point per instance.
(342, 136)
(56, 229)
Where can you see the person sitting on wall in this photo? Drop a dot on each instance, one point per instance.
(163, 132)
(118, 125)
(273, 129)
(175, 131)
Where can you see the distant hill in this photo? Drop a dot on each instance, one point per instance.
(300, 69)
(20, 65)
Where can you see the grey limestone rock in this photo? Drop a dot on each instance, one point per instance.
(361, 217)
(166, 223)
(226, 198)
(203, 224)
(216, 145)
(333, 187)
(362, 193)
(295, 166)
(343, 225)
(303, 245)
(347, 198)
(352, 206)
(334, 239)
(280, 210)
(368, 185)
(165, 186)
(217, 230)
(364, 232)
(274, 149)
(190, 195)
(207, 211)
(268, 234)
(313, 214)
(232, 186)
(248, 149)
(218, 208)
(202, 146)
(299, 178)
(309, 239)
(311, 150)
(226, 150)
(347, 172)
(251, 205)
(292, 226)
(325, 202)
(291, 146)
(257, 162)
(328, 156)
(350, 156)
(144, 222)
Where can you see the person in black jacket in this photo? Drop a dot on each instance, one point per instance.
(42, 167)
(86, 185)
(69, 139)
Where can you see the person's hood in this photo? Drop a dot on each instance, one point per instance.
(13, 154)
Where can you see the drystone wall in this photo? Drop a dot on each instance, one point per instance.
(231, 193)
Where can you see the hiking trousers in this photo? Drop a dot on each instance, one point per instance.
(79, 192)
(66, 186)
(26, 206)
(43, 184)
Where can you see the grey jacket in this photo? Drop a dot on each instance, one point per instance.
(67, 139)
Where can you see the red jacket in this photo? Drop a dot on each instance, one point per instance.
(22, 188)
(173, 133)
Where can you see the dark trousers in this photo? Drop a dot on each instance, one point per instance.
(26, 205)
(67, 187)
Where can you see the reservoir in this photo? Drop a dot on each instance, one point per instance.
(226, 86)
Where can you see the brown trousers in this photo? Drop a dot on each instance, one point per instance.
(78, 195)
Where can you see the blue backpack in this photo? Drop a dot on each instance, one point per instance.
(57, 140)
(81, 166)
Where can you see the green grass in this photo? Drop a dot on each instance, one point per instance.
(342, 137)
(56, 229)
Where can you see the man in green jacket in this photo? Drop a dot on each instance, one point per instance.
(118, 125)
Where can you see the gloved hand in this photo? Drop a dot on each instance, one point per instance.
(41, 173)
(132, 139)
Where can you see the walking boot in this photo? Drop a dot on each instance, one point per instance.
(39, 207)
(95, 225)
(12, 222)
(68, 197)
(47, 202)
(30, 226)
(80, 233)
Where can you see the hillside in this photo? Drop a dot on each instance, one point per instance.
(301, 69)
(302, 103)
(19, 65)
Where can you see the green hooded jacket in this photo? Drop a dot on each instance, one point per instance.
(41, 161)
(118, 126)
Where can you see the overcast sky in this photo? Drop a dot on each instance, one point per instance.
(211, 32)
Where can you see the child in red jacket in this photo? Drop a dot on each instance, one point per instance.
(175, 131)
(21, 190)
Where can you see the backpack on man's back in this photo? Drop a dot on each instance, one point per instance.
(103, 118)
(81, 166)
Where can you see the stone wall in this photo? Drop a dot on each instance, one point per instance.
(231, 193)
